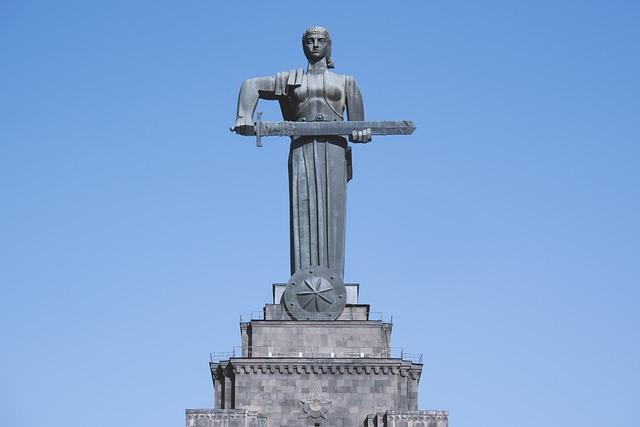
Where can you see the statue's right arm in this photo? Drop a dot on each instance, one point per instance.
(252, 90)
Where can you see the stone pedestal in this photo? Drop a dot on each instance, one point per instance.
(316, 373)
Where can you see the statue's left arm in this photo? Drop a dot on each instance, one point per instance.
(355, 110)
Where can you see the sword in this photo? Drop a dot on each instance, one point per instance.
(385, 127)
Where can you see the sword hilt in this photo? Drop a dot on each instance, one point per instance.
(259, 129)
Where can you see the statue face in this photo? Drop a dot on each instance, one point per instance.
(316, 46)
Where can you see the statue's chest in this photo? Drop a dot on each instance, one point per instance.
(326, 86)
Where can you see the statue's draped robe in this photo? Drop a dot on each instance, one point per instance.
(319, 167)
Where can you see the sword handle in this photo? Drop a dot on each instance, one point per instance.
(258, 129)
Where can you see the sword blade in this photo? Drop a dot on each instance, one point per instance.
(384, 127)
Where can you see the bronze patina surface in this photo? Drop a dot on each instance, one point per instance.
(315, 103)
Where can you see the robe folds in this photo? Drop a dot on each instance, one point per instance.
(320, 166)
(318, 174)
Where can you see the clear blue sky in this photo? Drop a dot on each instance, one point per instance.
(503, 236)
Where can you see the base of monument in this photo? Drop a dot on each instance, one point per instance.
(244, 418)
(301, 391)
(340, 373)
(224, 418)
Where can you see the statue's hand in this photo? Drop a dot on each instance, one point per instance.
(360, 136)
(248, 130)
(244, 127)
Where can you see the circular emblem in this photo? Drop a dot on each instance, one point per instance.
(316, 293)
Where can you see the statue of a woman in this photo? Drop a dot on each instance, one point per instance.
(319, 167)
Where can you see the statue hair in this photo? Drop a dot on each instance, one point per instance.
(319, 29)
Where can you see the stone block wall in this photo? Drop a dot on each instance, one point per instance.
(224, 418)
(350, 389)
(351, 338)
(350, 312)
(244, 418)
(416, 419)
(337, 373)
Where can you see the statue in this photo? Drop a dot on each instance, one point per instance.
(313, 104)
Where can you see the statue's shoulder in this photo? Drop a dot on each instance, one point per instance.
(287, 80)
(348, 82)
(341, 79)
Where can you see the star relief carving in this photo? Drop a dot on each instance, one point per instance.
(316, 290)
(316, 293)
(315, 406)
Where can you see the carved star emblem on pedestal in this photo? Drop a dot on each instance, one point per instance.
(316, 289)
(315, 406)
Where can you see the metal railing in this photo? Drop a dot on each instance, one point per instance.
(318, 353)
(260, 315)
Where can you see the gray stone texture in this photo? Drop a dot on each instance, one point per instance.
(316, 373)
(415, 419)
(276, 386)
(224, 418)
(350, 312)
(355, 338)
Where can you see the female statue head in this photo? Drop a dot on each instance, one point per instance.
(316, 44)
